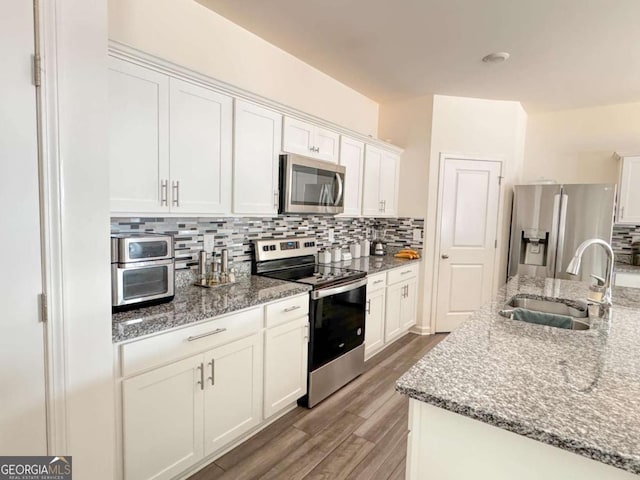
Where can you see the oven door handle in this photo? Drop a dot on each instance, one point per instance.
(327, 292)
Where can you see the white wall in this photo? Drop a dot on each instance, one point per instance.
(576, 146)
(189, 34)
(84, 255)
(488, 129)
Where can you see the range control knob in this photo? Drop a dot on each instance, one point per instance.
(272, 248)
(265, 248)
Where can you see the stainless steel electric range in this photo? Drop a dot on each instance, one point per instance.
(336, 311)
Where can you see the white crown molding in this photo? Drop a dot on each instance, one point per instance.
(131, 54)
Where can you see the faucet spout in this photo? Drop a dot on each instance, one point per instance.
(576, 261)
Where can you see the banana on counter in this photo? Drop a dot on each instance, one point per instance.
(408, 253)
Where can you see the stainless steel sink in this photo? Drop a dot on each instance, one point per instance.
(577, 311)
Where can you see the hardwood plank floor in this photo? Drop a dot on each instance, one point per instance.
(360, 432)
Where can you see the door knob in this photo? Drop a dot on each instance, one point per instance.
(444, 256)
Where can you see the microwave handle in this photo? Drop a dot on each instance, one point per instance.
(339, 196)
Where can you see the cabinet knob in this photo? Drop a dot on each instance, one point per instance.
(444, 256)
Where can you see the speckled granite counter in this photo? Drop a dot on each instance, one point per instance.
(577, 390)
(192, 304)
(627, 268)
(373, 264)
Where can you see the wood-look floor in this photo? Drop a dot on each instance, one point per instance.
(360, 432)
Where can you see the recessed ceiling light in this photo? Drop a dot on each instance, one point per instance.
(497, 57)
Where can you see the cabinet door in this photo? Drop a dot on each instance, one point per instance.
(258, 134)
(163, 420)
(352, 158)
(389, 176)
(298, 137)
(374, 326)
(138, 131)
(629, 205)
(327, 145)
(393, 323)
(285, 364)
(371, 201)
(409, 308)
(233, 392)
(200, 134)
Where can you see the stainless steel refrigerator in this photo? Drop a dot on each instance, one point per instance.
(548, 223)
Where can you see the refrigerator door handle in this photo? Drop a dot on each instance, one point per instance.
(553, 237)
(561, 233)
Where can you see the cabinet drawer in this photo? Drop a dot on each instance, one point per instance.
(376, 282)
(287, 309)
(627, 280)
(403, 273)
(166, 347)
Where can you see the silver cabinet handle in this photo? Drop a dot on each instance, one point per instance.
(202, 335)
(405, 272)
(444, 256)
(369, 307)
(213, 371)
(384, 205)
(378, 281)
(275, 200)
(291, 309)
(163, 192)
(317, 149)
(312, 149)
(380, 206)
(201, 382)
(621, 213)
(306, 332)
(175, 190)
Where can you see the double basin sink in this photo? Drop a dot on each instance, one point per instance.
(556, 312)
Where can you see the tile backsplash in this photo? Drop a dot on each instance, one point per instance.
(623, 235)
(237, 233)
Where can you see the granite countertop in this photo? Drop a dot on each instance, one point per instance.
(373, 264)
(576, 390)
(193, 304)
(626, 268)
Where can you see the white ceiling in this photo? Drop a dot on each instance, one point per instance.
(564, 53)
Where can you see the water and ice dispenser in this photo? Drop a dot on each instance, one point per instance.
(534, 246)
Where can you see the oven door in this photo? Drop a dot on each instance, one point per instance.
(311, 186)
(144, 249)
(141, 282)
(337, 317)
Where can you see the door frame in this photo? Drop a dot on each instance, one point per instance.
(51, 226)
(436, 250)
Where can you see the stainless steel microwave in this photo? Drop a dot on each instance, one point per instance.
(142, 270)
(310, 186)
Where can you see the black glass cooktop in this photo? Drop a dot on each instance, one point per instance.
(316, 275)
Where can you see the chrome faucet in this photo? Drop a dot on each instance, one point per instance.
(574, 265)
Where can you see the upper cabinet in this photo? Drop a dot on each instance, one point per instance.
(629, 193)
(310, 140)
(138, 129)
(257, 142)
(169, 144)
(381, 177)
(352, 158)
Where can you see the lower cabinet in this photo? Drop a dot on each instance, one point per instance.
(176, 415)
(409, 305)
(392, 328)
(401, 300)
(374, 326)
(285, 364)
(232, 391)
(163, 420)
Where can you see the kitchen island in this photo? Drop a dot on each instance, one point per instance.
(504, 399)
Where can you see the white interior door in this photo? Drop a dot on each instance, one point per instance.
(22, 373)
(468, 220)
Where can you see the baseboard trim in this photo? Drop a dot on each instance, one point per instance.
(419, 330)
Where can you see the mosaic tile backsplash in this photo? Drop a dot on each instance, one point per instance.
(237, 233)
(623, 235)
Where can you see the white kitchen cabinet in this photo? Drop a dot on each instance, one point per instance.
(310, 140)
(285, 364)
(169, 144)
(624, 279)
(394, 300)
(629, 194)
(257, 145)
(163, 420)
(374, 330)
(233, 391)
(352, 158)
(381, 176)
(138, 132)
(409, 305)
(200, 149)
(402, 301)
